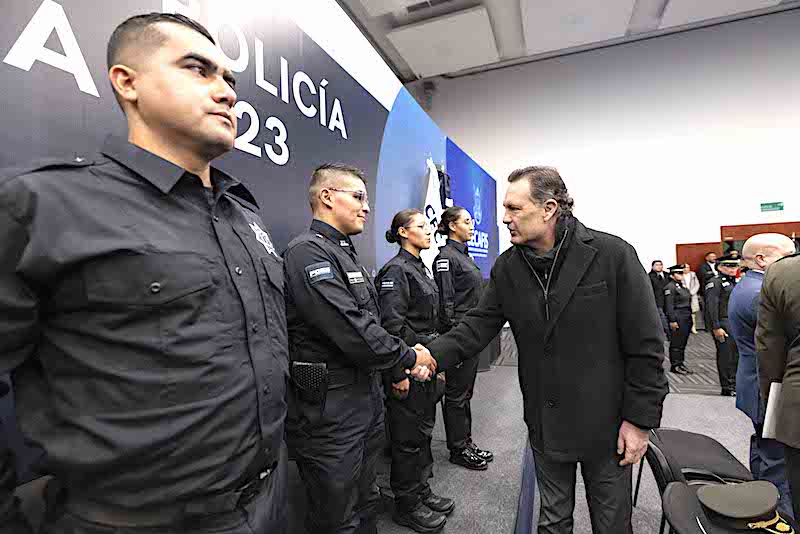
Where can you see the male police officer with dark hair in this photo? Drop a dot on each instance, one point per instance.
(142, 311)
(337, 343)
(717, 293)
(678, 309)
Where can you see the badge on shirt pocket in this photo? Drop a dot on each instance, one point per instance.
(355, 277)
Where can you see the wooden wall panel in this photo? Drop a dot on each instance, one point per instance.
(694, 253)
(743, 232)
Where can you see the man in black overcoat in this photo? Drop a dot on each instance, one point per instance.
(591, 349)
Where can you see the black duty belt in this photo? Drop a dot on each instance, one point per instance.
(172, 513)
(345, 376)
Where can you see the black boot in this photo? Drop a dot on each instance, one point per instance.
(483, 455)
(466, 458)
(421, 518)
(443, 505)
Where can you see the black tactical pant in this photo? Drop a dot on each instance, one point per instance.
(411, 422)
(337, 454)
(456, 410)
(679, 338)
(727, 358)
(608, 493)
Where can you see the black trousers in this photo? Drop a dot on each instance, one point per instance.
(411, 422)
(727, 358)
(266, 513)
(793, 475)
(608, 494)
(456, 410)
(337, 452)
(680, 337)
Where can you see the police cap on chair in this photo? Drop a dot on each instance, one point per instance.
(676, 269)
(724, 508)
(728, 261)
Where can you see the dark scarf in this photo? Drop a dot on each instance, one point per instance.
(544, 263)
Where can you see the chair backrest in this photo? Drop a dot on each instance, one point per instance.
(698, 456)
(660, 466)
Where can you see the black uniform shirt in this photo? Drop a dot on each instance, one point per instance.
(717, 293)
(409, 300)
(676, 297)
(459, 281)
(144, 321)
(332, 306)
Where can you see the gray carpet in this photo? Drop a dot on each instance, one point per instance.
(487, 501)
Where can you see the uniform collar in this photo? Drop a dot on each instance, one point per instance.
(164, 174)
(408, 256)
(753, 273)
(461, 247)
(332, 233)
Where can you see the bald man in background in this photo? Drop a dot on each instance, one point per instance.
(766, 455)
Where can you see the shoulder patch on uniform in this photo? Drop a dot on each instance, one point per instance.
(355, 277)
(442, 265)
(387, 285)
(709, 285)
(318, 272)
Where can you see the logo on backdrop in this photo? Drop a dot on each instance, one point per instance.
(477, 212)
(478, 246)
(433, 212)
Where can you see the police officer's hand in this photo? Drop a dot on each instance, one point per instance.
(632, 442)
(674, 326)
(400, 389)
(720, 335)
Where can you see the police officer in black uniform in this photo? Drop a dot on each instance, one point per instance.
(409, 302)
(459, 281)
(678, 309)
(717, 293)
(335, 422)
(142, 311)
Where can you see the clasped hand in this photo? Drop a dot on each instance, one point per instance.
(425, 366)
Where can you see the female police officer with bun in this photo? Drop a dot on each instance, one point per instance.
(409, 301)
(459, 281)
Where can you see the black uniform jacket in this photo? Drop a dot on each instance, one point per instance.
(459, 281)
(409, 301)
(143, 318)
(332, 306)
(717, 294)
(658, 283)
(676, 297)
(597, 360)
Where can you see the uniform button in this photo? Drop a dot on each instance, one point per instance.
(551, 404)
(266, 390)
(238, 270)
(155, 287)
(254, 327)
(371, 313)
(216, 219)
(548, 352)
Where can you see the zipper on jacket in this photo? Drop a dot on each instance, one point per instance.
(548, 277)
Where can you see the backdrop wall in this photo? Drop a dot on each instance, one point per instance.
(660, 141)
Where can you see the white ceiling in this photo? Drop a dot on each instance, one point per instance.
(448, 36)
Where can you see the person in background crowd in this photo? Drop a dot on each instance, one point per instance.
(691, 283)
(142, 311)
(409, 300)
(678, 308)
(707, 270)
(336, 405)
(778, 347)
(459, 281)
(591, 350)
(659, 280)
(717, 293)
(766, 455)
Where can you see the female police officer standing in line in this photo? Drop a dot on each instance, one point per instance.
(409, 300)
(459, 281)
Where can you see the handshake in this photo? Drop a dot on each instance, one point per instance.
(425, 365)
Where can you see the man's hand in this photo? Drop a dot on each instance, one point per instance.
(674, 326)
(632, 442)
(425, 365)
(720, 334)
(400, 389)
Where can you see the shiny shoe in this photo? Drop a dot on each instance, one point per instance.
(465, 458)
(681, 369)
(422, 519)
(483, 455)
(443, 505)
(728, 393)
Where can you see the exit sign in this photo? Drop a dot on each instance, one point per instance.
(772, 206)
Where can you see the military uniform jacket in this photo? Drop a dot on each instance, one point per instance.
(409, 301)
(676, 297)
(143, 318)
(332, 306)
(595, 362)
(459, 281)
(717, 294)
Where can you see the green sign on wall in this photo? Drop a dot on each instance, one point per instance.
(772, 206)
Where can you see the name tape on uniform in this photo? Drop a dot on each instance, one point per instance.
(387, 284)
(317, 272)
(442, 265)
(709, 285)
(355, 277)
(667, 292)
